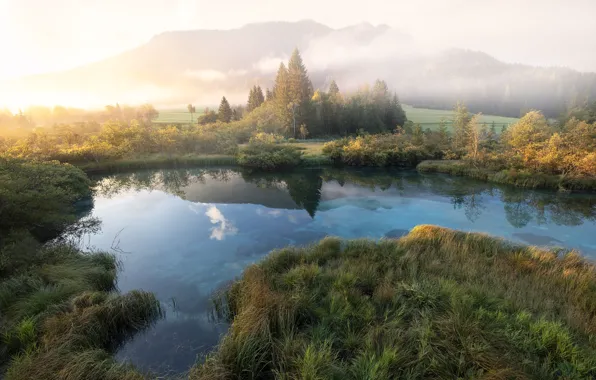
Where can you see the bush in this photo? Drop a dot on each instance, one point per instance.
(269, 156)
(377, 150)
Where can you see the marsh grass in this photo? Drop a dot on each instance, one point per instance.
(434, 304)
(519, 178)
(60, 319)
(157, 161)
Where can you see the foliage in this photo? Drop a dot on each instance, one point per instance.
(38, 196)
(434, 304)
(379, 150)
(266, 156)
(118, 140)
(255, 98)
(224, 114)
(59, 316)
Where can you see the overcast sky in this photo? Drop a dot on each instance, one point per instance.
(41, 35)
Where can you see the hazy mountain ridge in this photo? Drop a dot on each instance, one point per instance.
(199, 66)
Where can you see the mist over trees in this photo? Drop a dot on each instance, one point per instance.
(436, 79)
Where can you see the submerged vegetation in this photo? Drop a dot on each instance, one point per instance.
(60, 316)
(434, 304)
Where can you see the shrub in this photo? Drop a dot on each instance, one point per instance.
(269, 156)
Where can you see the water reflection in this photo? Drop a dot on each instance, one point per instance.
(188, 232)
(303, 190)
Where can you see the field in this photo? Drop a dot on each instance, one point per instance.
(174, 116)
(429, 118)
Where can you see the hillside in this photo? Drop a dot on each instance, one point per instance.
(178, 67)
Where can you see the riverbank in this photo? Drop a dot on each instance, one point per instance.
(60, 313)
(436, 303)
(523, 179)
(160, 161)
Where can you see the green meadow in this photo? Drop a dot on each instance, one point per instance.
(430, 118)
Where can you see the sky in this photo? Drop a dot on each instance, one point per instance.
(44, 36)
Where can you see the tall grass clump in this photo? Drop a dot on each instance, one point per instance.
(434, 304)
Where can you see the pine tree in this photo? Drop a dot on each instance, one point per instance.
(300, 90)
(224, 113)
(281, 95)
(333, 89)
(259, 97)
(251, 100)
(235, 115)
(268, 95)
(395, 114)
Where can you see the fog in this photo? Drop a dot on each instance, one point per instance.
(92, 53)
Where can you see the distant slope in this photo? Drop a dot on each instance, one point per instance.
(175, 68)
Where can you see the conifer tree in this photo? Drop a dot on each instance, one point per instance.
(224, 113)
(300, 90)
(251, 100)
(281, 95)
(333, 89)
(268, 95)
(259, 97)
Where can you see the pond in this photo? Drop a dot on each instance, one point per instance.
(184, 234)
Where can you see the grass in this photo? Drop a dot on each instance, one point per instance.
(525, 179)
(436, 303)
(430, 118)
(60, 316)
(157, 161)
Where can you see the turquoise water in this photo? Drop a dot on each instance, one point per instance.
(184, 234)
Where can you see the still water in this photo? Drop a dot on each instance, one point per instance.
(184, 234)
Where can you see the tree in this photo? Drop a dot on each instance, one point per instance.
(417, 135)
(191, 109)
(461, 121)
(443, 133)
(255, 98)
(281, 95)
(395, 114)
(147, 113)
(250, 105)
(473, 138)
(259, 97)
(303, 132)
(235, 115)
(224, 114)
(300, 90)
(268, 95)
(333, 89)
(208, 117)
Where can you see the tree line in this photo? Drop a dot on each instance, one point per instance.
(293, 108)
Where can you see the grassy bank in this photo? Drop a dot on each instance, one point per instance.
(157, 161)
(513, 177)
(60, 316)
(434, 304)
(308, 155)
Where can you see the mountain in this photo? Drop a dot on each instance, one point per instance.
(199, 66)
